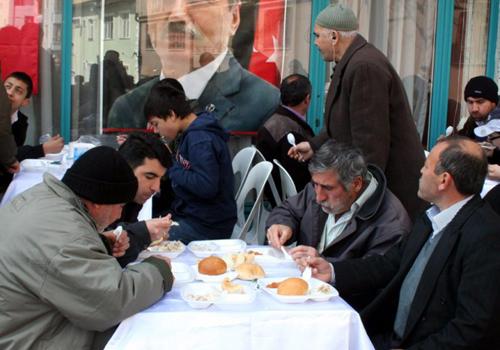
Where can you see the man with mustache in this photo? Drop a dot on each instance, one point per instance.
(185, 33)
(439, 289)
(345, 212)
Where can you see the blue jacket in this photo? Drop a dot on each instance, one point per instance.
(202, 178)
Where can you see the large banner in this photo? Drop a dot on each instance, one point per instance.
(225, 53)
(19, 39)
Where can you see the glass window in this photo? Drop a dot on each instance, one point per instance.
(468, 53)
(30, 42)
(404, 31)
(266, 38)
(90, 32)
(108, 27)
(497, 53)
(125, 26)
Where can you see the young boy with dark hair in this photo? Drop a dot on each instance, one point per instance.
(201, 175)
(149, 159)
(19, 87)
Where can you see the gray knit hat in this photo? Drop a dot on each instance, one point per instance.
(338, 17)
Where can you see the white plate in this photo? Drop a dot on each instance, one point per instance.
(215, 295)
(54, 157)
(202, 249)
(194, 293)
(214, 278)
(269, 255)
(34, 164)
(314, 293)
(162, 249)
(182, 273)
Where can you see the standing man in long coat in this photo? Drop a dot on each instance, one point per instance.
(367, 106)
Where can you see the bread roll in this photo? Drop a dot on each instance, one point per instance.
(247, 271)
(232, 288)
(293, 286)
(212, 266)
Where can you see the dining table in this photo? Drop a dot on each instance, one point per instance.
(32, 171)
(264, 322)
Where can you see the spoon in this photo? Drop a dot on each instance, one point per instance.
(307, 273)
(285, 253)
(449, 131)
(291, 139)
(158, 241)
(118, 232)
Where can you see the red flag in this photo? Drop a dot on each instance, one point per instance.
(19, 41)
(267, 49)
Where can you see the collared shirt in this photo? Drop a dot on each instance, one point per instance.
(14, 117)
(333, 228)
(440, 219)
(303, 117)
(195, 82)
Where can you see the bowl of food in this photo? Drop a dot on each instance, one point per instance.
(200, 295)
(171, 249)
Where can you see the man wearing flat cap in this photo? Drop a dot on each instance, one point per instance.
(367, 106)
(481, 96)
(59, 288)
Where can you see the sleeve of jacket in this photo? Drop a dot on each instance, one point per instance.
(139, 239)
(202, 178)
(354, 276)
(91, 289)
(317, 141)
(291, 212)
(266, 144)
(139, 231)
(476, 321)
(30, 152)
(369, 112)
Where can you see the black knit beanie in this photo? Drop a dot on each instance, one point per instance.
(102, 176)
(482, 87)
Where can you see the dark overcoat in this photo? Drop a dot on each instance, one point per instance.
(367, 107)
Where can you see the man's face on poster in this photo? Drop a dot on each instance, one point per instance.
(183, 30)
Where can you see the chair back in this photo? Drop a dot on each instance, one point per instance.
(247, 226)
(288, 187)
(241, 164)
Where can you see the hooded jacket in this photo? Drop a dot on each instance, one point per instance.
(202, 178)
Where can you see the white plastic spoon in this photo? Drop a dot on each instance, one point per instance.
(449, 131)
(285, 253)
(307, 273)
(291, 139)
(118, 232)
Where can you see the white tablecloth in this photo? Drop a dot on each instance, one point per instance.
(28, 178)
(263, 324)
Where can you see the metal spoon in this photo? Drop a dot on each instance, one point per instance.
(291, 139)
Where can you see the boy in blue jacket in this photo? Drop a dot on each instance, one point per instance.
(201, 175)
